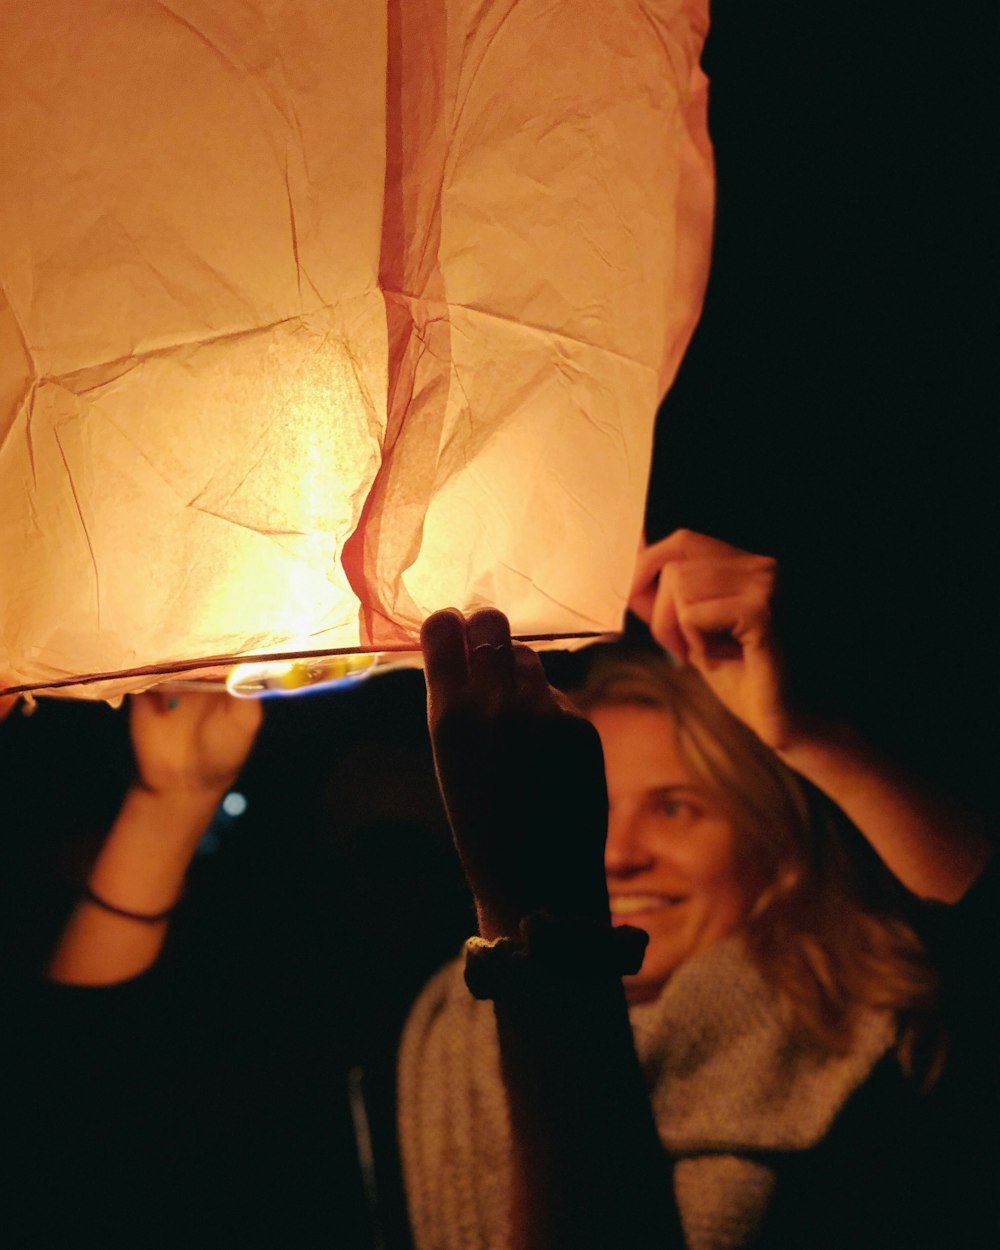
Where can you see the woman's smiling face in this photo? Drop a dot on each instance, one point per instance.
(670, 861)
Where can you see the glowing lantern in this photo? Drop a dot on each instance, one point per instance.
(318, 316)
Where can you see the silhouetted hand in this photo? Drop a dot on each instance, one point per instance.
(522, 775)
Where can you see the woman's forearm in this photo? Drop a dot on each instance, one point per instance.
(589, 1169)
(140, 869)
(932, 846)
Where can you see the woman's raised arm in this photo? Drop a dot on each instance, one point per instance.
(188, 750)
(523, 782)
(710, 605)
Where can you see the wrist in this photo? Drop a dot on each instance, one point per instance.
(180, 803)
(160, 916)
(827, 755)
(143, 863)
(497, 922)
(553, 950)
(164, 826)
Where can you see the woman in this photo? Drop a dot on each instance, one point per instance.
(776, 1015)
(709, 833)
(770, 1003)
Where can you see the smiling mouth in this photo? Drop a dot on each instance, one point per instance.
(636, 904)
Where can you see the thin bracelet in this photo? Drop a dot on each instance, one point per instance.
(143, 917)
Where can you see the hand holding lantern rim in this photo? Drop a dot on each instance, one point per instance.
(521, 774)
(191, 744)
(710, 604)
(189, 749)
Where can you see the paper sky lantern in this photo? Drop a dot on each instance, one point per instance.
(318, 316)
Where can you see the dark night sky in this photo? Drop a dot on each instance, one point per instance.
(837, 406)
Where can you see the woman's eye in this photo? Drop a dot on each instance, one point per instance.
(674, 808)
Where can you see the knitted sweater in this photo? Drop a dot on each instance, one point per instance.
(726, 1085)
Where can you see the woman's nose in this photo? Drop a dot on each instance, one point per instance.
(627, 851)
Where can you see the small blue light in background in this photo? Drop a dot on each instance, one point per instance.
(234, 804)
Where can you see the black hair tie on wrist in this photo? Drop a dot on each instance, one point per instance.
(552, 946)
(143, 917)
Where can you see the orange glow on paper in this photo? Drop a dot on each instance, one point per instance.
(315, 319)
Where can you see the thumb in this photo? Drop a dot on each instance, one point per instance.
(642, 593)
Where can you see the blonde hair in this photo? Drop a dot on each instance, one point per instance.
(816, 928)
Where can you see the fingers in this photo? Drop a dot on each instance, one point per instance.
(246, 714)
(474, 663)
(702, 597)
(679, 545)
(145, 707)
(185, 712)
(718, 630)
(442, 640)
(471, 657)
(664, 623)
(716, 609)
(490, 655)
(163, 702)
(534, 693)
(149, 705)
(653, 605)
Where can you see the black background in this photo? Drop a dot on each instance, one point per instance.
(837, 407)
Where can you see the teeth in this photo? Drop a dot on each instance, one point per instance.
(631, 904)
